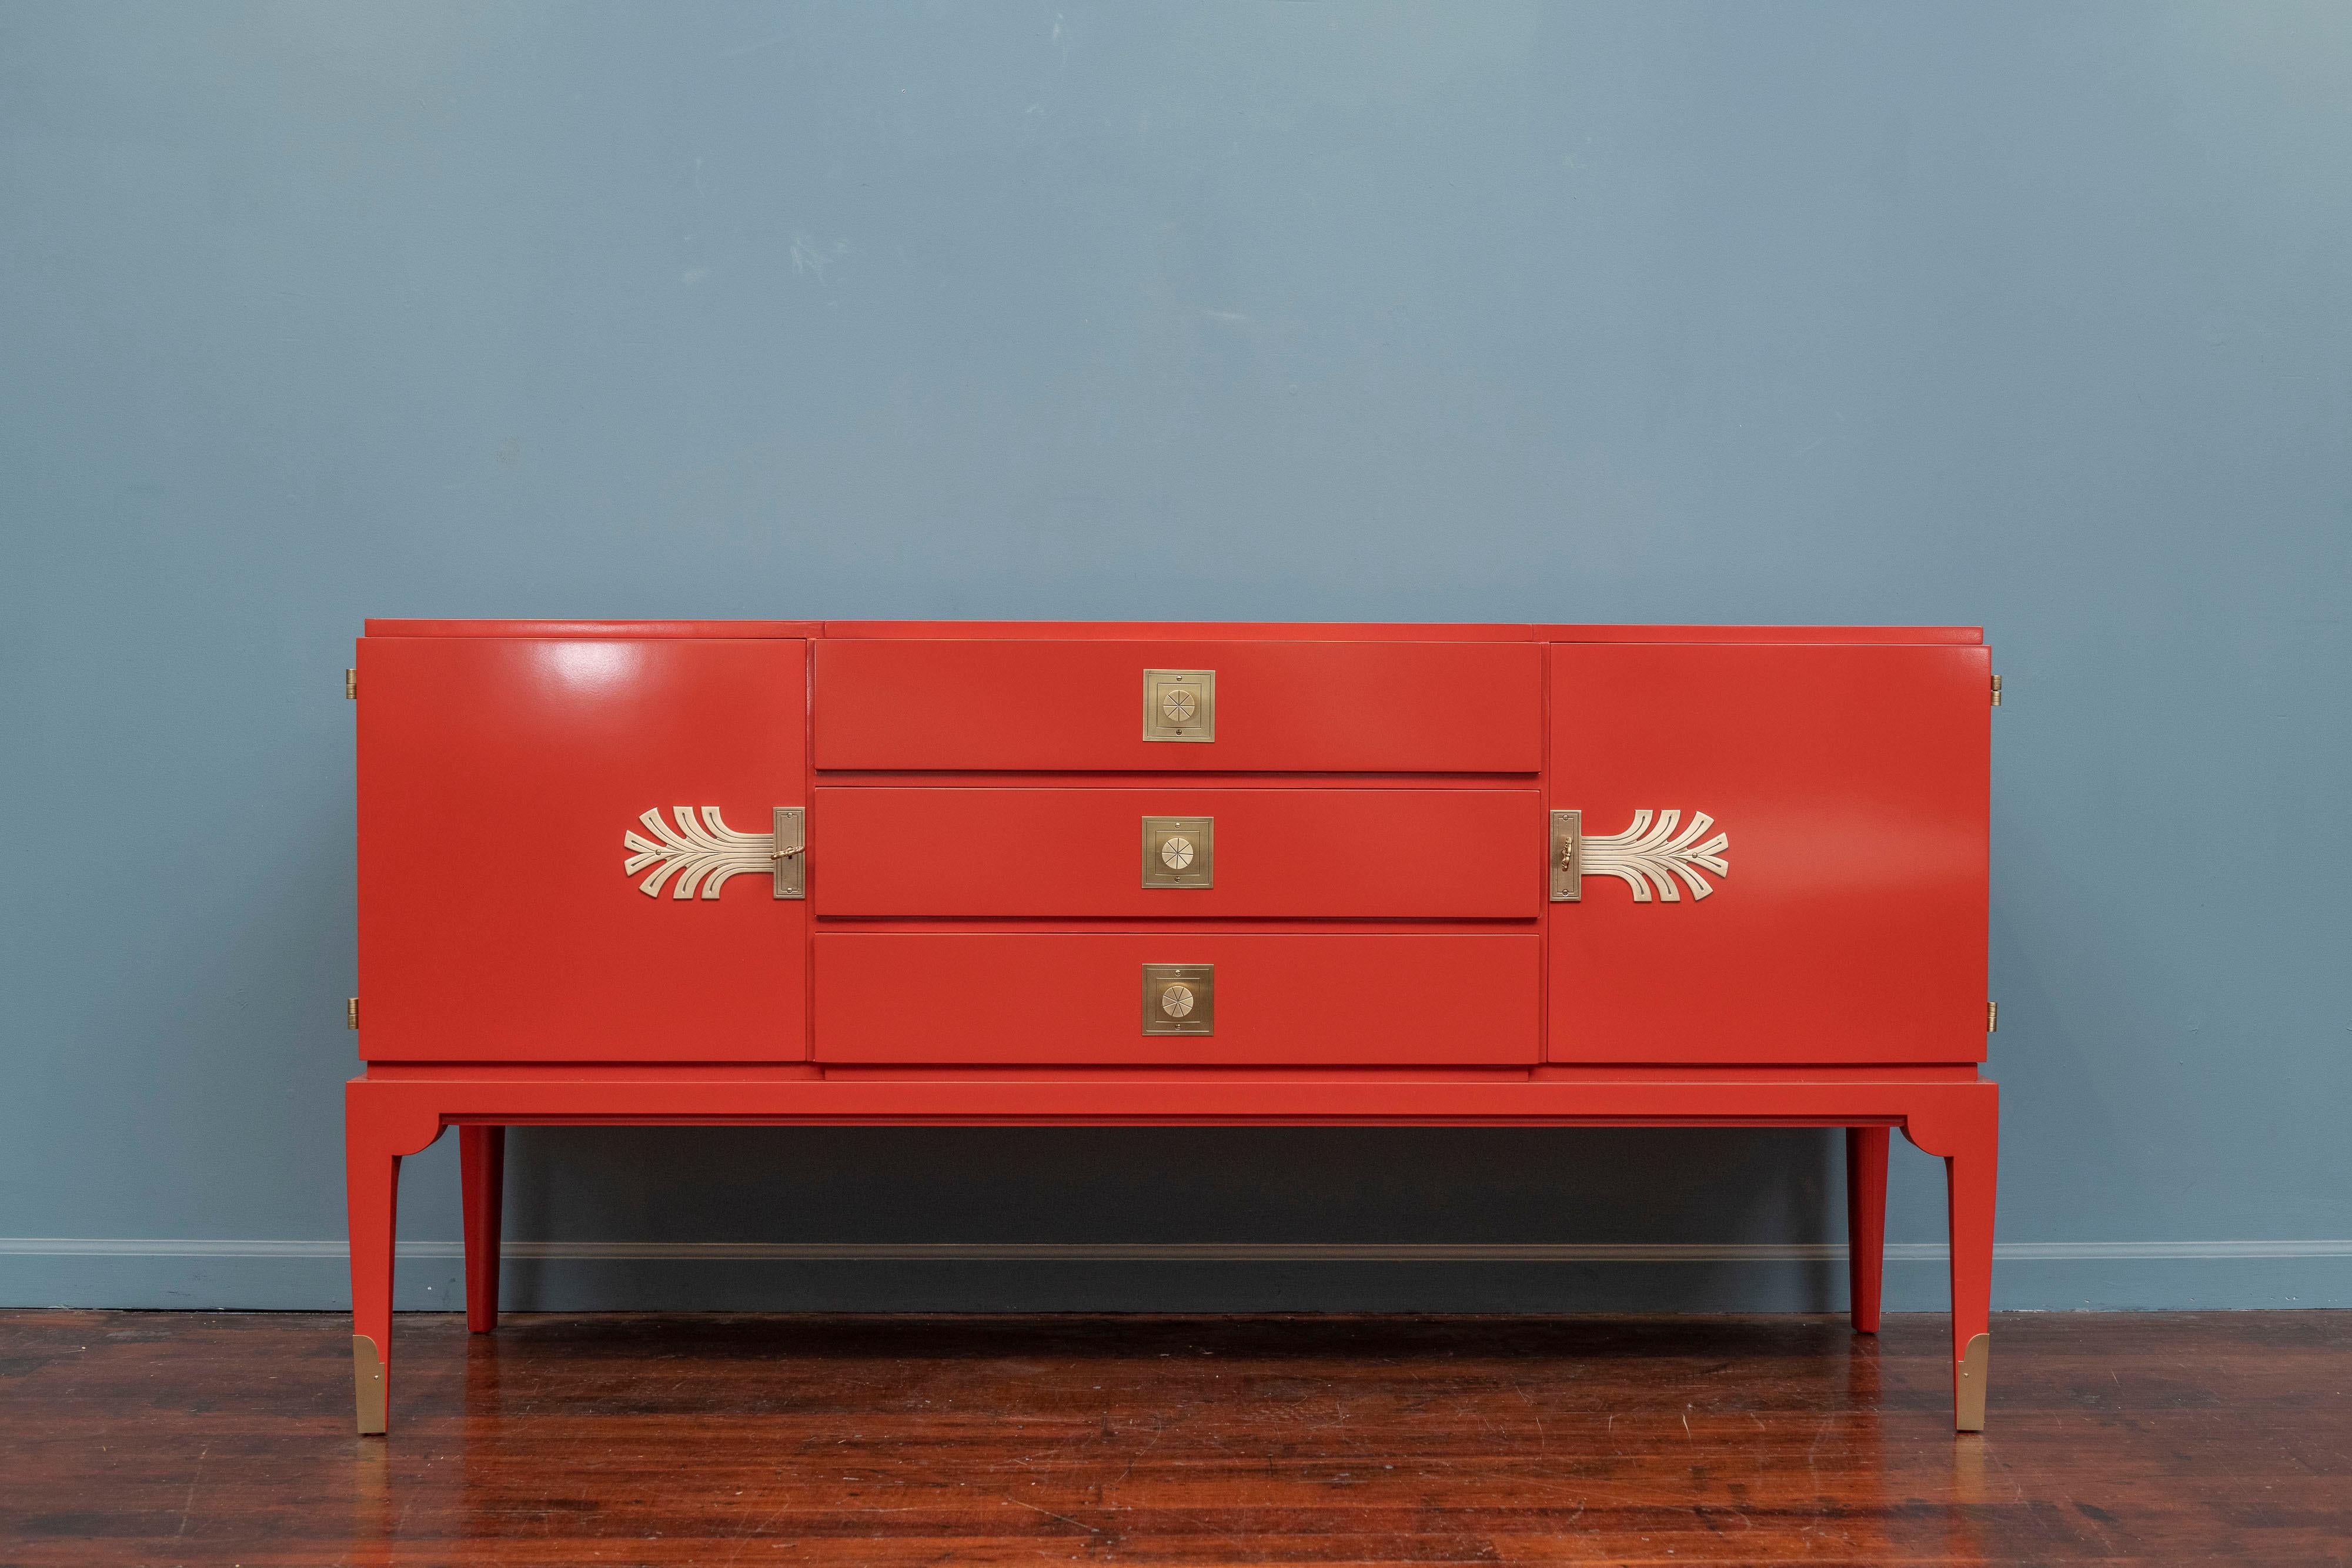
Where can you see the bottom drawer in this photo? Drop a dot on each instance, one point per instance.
(1245, 1000)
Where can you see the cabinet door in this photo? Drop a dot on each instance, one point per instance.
(1851, 787)
(499, 780)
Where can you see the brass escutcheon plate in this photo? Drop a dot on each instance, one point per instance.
(1180, 998)
(1179, 852)
(789, 856)
(1567, 857)
(1180, 705)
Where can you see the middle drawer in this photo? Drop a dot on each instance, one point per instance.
(1223, 853)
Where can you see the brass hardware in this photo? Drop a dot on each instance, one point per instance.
(351, 1012)
(788, 857)
(1992, 1018)
(367, 1385)
(1180, 998)
(702, 851)
(352, 684)
(1180, 705)
(1969, 1388)
(1996, 691)
(1567, 857)
(1179, 852)
(1650, 853)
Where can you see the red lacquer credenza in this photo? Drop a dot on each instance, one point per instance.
(760, 872)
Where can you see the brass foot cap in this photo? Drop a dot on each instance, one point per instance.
(1968, 1384)
(367, 1385)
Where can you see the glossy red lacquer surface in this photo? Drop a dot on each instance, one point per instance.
(1281, 705)
(1077, 996)
(1282, 853)
(511, 974)
(732, 631)
(1854, 784)
(1763, 635)
(497, 777)
(1185, 630)
(1194, 630)
(1385, 632)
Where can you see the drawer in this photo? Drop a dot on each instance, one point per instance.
(1270, 998)
(1079, 706)
(1228, 852)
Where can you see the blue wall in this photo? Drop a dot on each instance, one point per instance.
(2029, 315)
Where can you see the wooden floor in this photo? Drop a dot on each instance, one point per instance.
(154, 1437)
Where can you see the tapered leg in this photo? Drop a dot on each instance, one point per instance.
(1866, 1221)
(482, 1168)
(378, 1129)
(1965, 1129)
(1968, 1180)
(372, 1191)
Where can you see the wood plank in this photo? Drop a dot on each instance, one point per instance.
(201, 1438)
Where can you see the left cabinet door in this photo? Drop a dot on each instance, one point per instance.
(498, 780)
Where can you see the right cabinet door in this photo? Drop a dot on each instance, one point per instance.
(1849, 785)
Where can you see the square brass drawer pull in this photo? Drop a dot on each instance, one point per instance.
(1180, 705)
(1179, 852)
(1180, 998)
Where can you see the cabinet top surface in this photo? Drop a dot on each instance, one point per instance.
(1113, 630)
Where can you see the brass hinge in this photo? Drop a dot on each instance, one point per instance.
(1996, 691)
(352, 685)
(351, 1012)
(1992, 1018)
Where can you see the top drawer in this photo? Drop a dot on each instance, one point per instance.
(1270, 708)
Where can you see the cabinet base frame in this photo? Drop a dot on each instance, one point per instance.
(385, 1119)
